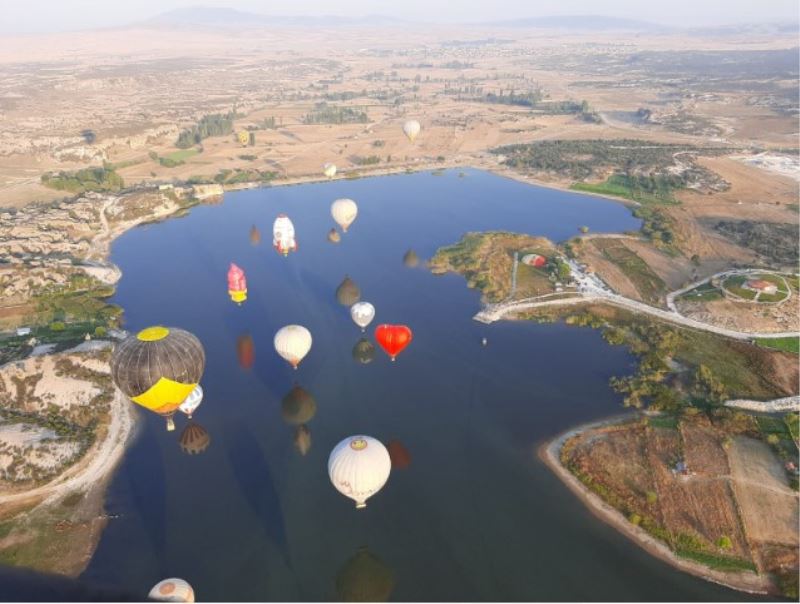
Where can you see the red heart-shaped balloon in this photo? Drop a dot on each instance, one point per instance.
(393, 338)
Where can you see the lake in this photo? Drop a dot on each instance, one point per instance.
(475, 515)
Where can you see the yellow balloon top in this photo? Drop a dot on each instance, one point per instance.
(153, 334)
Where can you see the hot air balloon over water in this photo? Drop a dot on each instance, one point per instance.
(192, 402)
(362, 314)
(329, 170)
(246, 351)
(344, 212)
(364, 578)
(194, 439)
(283, 238)
(158, 368)
(393, 338)
(364, 351)
(334, 236)
(172, 590)
(348, 292)
(298, 406)
(411, 129)
(255, 235)
(358, 467)
(293, 343)
(237, 284)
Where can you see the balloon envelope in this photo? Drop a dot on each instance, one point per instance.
(362, 314)
(192, 402)
(329, 170)
(348, 292)
(158, 368)
(410, 259)
(293, 343)
(283, 238)
(334, 236)
(172, 590)
(393, 338)
(358, 467)
(399, 455)
(411, 129)
(344, 212)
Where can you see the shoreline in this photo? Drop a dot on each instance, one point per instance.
(549, 452)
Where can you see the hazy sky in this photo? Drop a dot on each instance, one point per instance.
(57, 15)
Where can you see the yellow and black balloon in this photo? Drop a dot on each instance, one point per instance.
(158, 367)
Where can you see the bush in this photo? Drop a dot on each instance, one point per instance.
(100, 331)
(635, 519)
(724, 542)
(57, 326)
(651, 497)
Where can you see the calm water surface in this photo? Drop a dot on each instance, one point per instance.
(476, 516)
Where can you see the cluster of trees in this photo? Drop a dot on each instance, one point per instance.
(88, 179)
(656, 225)
(580, 159)
(334, 114)
(369, 160)
(229, 177)
(215, 124)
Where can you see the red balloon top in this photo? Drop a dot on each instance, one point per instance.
(236, 279)
(393, 338)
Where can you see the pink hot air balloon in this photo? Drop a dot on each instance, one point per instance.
(236, 279)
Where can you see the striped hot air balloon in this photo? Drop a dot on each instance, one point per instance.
(158, 368)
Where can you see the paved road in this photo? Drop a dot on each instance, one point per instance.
(591, 289)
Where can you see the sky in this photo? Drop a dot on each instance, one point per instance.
(30, 16)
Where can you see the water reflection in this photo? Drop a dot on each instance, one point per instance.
(255, 235)
(298, 406)
(194, 439)
(302, 439)
(348, 292)
(364, 351)
(364, 578)
(410, 259)
(334, 236)
(246, 351)
(400, 456)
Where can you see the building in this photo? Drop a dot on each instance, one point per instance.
(761, 286)
(23, 331)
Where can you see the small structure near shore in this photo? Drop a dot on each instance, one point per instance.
(761, 286)
(535, 260)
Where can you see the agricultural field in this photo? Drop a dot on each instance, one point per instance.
(708, 487)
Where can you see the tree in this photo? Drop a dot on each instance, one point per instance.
(708, 386)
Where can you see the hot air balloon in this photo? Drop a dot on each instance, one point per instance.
(358, 467)
(283, 239)
(348, 293)
(399, 455)
(302, 439)
(393, 338)
(362, 314)
(410, 259)
(298, 406)
(334, 236)
(293, 343)
(363, 351)
(411, 129)
(364, 578)
(237, 284)
(255, 235)
(329, 170)
(244, 137)
(192, 402)
(194, 439)
(158, 368)
(246, 351)
(344, 212)
(172, 590)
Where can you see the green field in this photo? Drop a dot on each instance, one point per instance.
(704, 293)
(668, 422)
(181, 155)
(789, 344)
(619, 185)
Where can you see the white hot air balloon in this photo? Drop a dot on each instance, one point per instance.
(172, 590)
(293, 343)
(344, 212)
(411, 129)
(362, 314)
(192, 402)
(283, 235)
(358, 467)
(329, 170)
